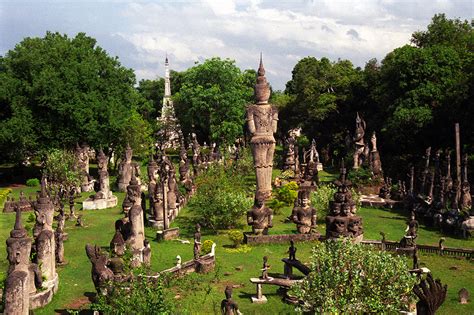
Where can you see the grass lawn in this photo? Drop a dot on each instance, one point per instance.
(202, 294)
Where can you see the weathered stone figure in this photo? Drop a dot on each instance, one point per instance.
(8, 206)
(228, 305)
(135, 216)
(146, 253)
(265, 268)
(82, 156)
(375, 163)
(152, 172)
(262, 119)
(303, 215)
(359, 142)
(126, 167)
(101, 274)
(292, 251)
(117, 244)
(197, 242)
(260, 217)
(23, 277)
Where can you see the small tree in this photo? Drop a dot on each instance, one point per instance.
(60, 168)
(352, 278)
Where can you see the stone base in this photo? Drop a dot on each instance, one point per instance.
(95, 204)
(166, 235)
(155, 224)
(205, 266)
(261, 300)
(42, 298)
(280, 238)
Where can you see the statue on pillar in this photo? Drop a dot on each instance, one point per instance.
(359, 142)
(262, 119)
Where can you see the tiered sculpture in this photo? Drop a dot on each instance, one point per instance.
(342, 221)
(126, 167)
(262, 119)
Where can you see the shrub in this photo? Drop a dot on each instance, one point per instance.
(207, 247)
(236, 236)
(3, 194)
(287, 193)
(361, 176)
(32, 182)
(139, 296)
(220, 202)
(321, 197)
(275, 205)
(354, 279)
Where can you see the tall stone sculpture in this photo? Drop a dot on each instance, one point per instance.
(126, 167)
(135, 216)
(104, 197)
(82, 156)
(375, 163)
(262, 119)
(359, 144)
(342, 221)
(23, 277)
(152, 172)
(44, 241)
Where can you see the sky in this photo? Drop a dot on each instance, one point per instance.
(141, 33)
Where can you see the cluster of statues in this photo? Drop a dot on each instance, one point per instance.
(27, 277)
(23, 203)
(363, 154)
(437, 198)
(342, 220)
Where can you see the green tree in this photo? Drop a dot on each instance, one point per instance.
(212, 100)
(57, 91)
(349, 278)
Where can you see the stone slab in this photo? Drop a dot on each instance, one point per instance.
(280, 238)
(96, 204)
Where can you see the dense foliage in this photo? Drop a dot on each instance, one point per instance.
(212, 100)
(60, 168)
(222, 200)
(353, 278)
(139, 296)
(57, 91)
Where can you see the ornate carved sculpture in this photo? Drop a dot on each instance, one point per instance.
(152, 172)
(431, 294)
(101, 274)
(466, 199)
(262, 119)
(8, 206)
(82, 156)
(303, 215)
(135, 216)
(260, 217)
(117, 244)
(290, 154)
(104, 190)
(342, 221)
(228, 305)
(359, 142)
(184, 172)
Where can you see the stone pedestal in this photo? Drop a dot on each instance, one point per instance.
(259, 298)
(168, 234)
(96, 204)
(205, 266)
(42, 298)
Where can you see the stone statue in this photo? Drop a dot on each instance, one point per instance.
(342, 221)
(265, 268)
(157, 204)
(197, 242)
(71, 197)
(104, 191)
(411, 233)
(260, 217)
(172, 194)
(152, 171)
(292, 251)
(184, 172)
(374, 157)
(262, 119)
(290, 154)
(125, 169)
(146, 253)
(431, 295)
(8, 206)
(304, 216)
(23, 278)
(101, 274)
(359, 141)
(228, 305)
(135, 216)
(82, 157)
(117, 244)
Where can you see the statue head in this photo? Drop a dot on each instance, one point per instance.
(228, 292)
(262, 88)
(340, 224)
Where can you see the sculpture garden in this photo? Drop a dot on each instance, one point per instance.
(264, 220)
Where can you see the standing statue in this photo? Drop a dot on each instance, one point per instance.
(82, 157)
(303, 215)
(102, 275)
(375, 163)
(260, 217)
(103, 198)
(262, 119)
(228, 305)
(197, 242)
(359, 142)
(125, 169)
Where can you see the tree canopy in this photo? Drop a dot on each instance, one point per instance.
(57, 91)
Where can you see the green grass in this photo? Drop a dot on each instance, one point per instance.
(202, 294)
